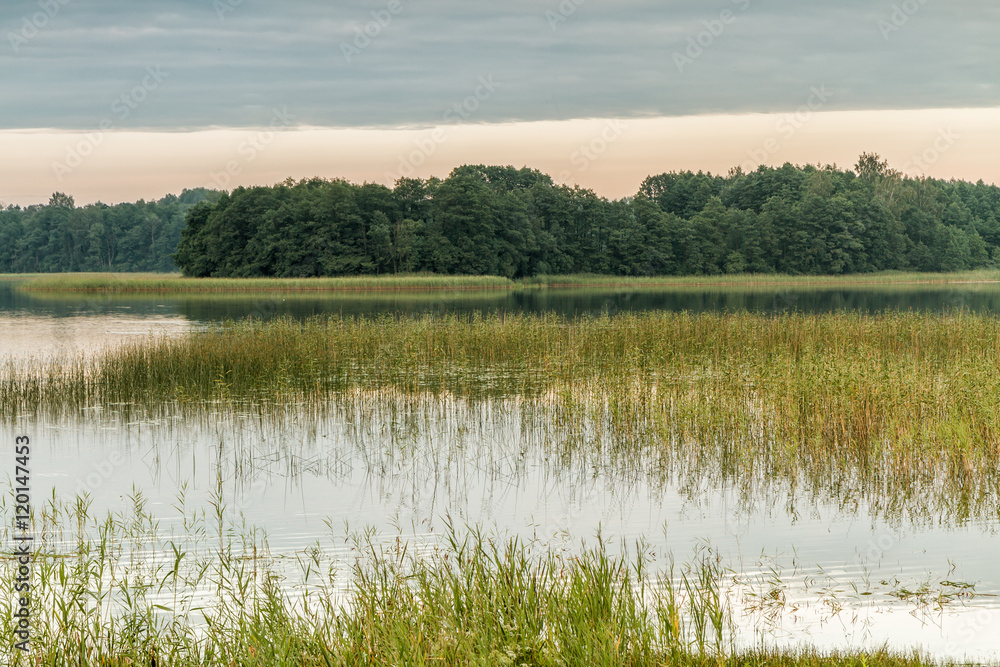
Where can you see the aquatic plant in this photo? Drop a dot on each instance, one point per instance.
(161, 282)
(122, 590)
(898, 410)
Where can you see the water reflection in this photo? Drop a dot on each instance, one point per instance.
(55, 338)
(411, 467)
(201, 308)
(498, 462)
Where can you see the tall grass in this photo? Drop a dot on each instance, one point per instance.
(158, 282)
(897, 410)
(120, 590)
(20, 276)
(155, 282)
(765, 280)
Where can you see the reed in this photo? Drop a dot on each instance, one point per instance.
(120, 590)
(160, 283)
(896, 410)
(157, 282)
(768, 280)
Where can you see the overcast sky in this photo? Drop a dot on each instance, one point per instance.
(187, 65)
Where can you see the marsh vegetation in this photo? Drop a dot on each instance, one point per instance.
(890, 416)
(122, 589)
(900, 409)
(176, 283)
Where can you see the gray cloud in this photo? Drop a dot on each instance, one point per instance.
(230, 62)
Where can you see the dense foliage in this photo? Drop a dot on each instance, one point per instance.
(60, 236)
(517, 222)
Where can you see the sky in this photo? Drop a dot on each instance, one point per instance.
(116, 100)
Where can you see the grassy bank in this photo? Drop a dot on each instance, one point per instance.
(895, 410)
(769, 280)
(127, 282)
(137, 282)
(20, 277)
(116, 590)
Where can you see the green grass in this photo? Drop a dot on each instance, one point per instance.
(138, 282)
(768, 280)
(118, 590)
(896, 410)
(19, 277)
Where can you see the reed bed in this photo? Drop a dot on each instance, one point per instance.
(121, 590)
(899, 410)
(159, 282)
(881, 279)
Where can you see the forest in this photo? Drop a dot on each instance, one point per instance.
(517, 222)
(61, 237)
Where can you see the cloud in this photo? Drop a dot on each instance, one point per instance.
(387, 63)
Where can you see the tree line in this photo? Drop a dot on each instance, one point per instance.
(59, 236)
(518, 223)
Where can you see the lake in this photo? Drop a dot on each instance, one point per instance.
(848, 575)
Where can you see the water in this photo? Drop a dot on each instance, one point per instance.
(53, 324)
(839, 569)
(202, 308)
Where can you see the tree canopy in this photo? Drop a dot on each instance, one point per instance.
(60, 236)
(517, 223)
(512, 222)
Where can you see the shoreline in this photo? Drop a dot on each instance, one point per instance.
(122, 283)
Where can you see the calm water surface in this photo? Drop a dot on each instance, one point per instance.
(491, 464)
